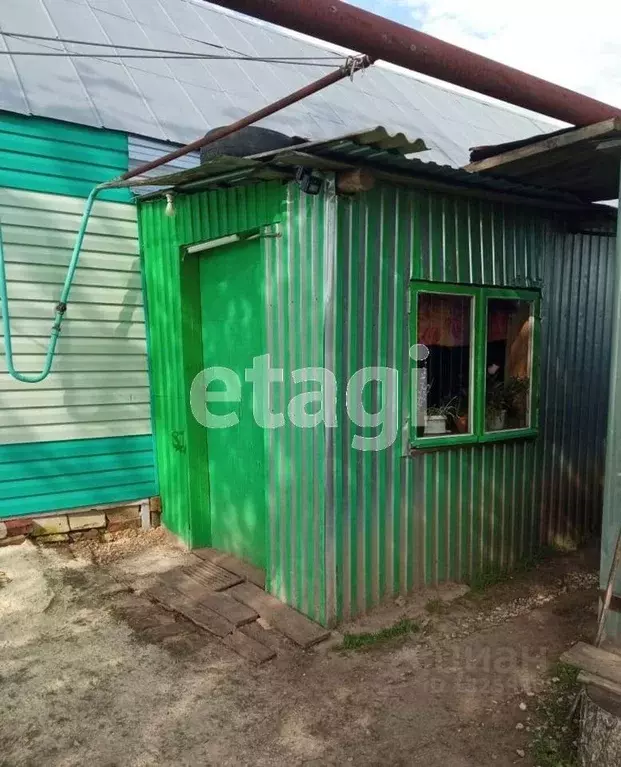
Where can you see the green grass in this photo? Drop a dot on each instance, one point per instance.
(554, 742)
(494, 576)
(364, 641)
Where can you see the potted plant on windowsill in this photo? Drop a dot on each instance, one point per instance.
(505, 400)
(436, 417)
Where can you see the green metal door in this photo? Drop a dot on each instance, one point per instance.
(232, 310)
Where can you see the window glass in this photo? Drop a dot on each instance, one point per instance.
(444, 324)
(508, 364)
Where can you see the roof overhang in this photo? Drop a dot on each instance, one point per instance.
(581, 161)
(389, 157)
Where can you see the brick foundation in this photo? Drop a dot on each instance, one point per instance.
(81, 524)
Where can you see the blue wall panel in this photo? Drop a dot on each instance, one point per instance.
(50, 476)
(41, 155)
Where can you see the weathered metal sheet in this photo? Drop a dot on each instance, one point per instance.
(402, 522)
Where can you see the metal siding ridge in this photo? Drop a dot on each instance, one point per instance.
(332, 529)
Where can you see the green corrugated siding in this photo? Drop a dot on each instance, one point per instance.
(294, 320)
(403, 522)
(298, 264)
(40, 155)
(347, 528)
(175, 342)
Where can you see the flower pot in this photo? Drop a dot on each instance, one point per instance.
(435, 424)
(496, 421)
(461, 424)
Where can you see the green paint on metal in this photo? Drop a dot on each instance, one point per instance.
(346, 528)
(41, 155)
(233, 333)
(46, 476)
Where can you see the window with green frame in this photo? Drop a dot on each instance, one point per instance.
(476, 369)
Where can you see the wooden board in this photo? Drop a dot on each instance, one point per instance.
(285, 619)
(194, 611)
(584, 677)
(248, 647)
(243, 570)
(594, 661)
(212, 577)
(218, 601)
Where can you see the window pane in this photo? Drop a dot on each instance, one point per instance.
(509, 361)
(444, 325)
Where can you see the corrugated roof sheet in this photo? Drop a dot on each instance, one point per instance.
(178, 100)
(388, 155)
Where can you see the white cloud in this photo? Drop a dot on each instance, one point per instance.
(575, 45)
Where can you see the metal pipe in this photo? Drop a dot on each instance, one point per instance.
(352, 65)
(343, 24)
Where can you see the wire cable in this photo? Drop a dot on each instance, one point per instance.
(103, 56)
(184, 54)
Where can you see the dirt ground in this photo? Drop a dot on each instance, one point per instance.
(86, 679)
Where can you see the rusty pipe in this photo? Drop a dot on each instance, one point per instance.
(352, 65)
(345, 25)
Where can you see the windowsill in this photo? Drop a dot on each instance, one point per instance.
(434, 444)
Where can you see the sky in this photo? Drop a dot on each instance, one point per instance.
(577, 45)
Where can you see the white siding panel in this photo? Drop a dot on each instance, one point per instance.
(99, 385)
(99, 430)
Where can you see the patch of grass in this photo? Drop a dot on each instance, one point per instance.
(494, 576)
(364, 641)
(554, 744)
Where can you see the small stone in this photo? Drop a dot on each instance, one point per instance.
(523, 706)
(520, 752)
(400, 601)
(555, 679)
(519, 726)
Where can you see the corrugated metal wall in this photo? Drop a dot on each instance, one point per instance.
(348, 528)
(401, 522)
(174, 329)
(298, 263)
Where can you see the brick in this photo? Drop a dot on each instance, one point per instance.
(11, 527)
(50, 525)
(53, 538)
(13, 540)
(86, 520)
(156, 519)
(123, 513)
(155, 504)
(124, 524)
(85, 535)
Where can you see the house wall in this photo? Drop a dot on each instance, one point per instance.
(401, 521)
(82, 436)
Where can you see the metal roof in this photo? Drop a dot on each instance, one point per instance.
(389, 156)
(178, 100)
(583, 161)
